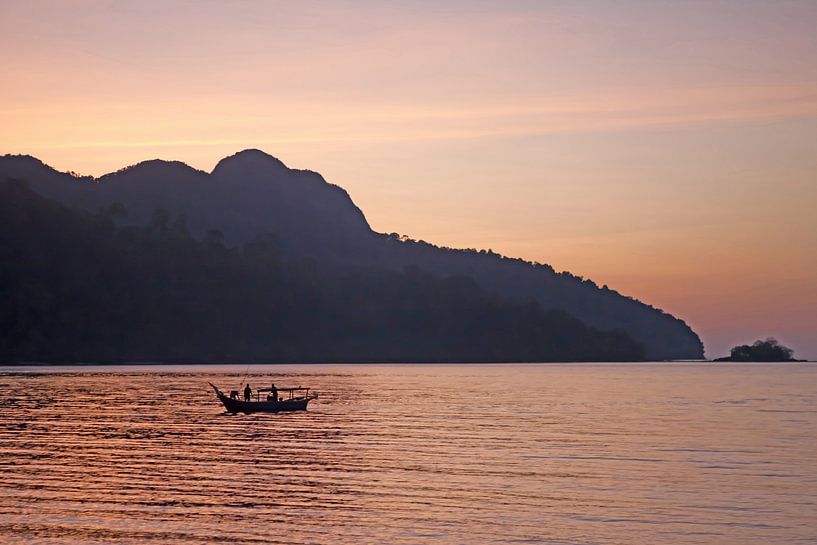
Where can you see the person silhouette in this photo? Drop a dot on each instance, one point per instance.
(247, 392)
(274, 392)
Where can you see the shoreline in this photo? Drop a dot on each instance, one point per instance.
(413, 363)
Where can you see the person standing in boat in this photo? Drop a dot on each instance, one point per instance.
(247, 392)
(274, 392)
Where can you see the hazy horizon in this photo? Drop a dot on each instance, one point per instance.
(667, 150)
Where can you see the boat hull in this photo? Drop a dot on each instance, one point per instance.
(247, 407)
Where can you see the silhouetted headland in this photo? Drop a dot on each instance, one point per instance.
(761, 351)
(262, 262)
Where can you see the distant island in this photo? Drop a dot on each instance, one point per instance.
(256, 261)
(761, 351)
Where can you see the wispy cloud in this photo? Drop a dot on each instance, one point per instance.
(255, 122)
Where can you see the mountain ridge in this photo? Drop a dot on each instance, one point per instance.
(76, 287)
(252, 192)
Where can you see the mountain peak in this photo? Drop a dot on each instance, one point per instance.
(28, 167)
(25, 161)
(152, 168)
(249, 159)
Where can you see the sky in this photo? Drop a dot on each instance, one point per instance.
(666, 149)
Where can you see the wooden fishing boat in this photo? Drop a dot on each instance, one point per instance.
(296, 400)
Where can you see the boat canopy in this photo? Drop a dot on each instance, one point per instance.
(298, 389)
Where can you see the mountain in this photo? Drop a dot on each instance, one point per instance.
(77, 287)
(246, 194)
(253, 193)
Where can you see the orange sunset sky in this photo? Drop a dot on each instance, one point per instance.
(667, 149)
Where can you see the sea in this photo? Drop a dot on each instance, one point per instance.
(653, 454)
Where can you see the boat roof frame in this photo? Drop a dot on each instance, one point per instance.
(299, 388)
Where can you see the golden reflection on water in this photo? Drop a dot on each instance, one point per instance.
(603, 454)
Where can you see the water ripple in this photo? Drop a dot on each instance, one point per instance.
(538, 454)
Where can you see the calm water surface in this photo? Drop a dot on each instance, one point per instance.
(587, 454)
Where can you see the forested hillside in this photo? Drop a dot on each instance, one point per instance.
(76, 286)
(252, 194)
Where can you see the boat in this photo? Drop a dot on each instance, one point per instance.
(296, 400)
